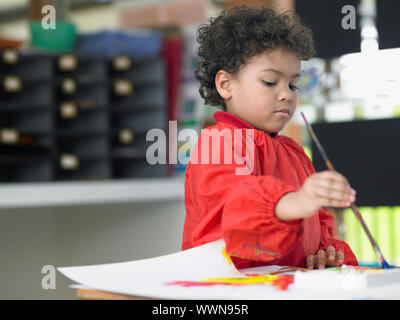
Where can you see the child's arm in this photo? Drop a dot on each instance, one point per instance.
(249, 225)
(240, 208)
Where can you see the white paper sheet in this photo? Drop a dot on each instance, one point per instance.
(148, 277)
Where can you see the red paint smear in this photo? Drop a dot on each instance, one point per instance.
(281, 283)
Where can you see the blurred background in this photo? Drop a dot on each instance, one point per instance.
(83, 81)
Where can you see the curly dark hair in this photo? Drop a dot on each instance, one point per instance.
(229, 40)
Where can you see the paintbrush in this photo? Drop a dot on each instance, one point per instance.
(328, 163)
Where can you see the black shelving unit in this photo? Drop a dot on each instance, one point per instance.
(74, 117)
(138, 104)
(82, 118)
(26, 117)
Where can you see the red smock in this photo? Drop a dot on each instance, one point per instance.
(240, 208)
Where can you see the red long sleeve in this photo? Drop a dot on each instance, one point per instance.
(246, 220)
(249, 226)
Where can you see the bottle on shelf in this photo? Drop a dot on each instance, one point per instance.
(121, 63)
(123, 136)
(16, 143)
(123, 87)
(11, 136)
(69, 161)
(71, 84)
(126, 136)
(70, 109)
(10, 56)
(12, 84)
(67, 62)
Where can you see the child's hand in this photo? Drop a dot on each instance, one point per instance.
(324, 189)
(322, 259)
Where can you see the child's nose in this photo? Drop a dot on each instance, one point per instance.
(285, 95)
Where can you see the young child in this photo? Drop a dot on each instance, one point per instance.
(250, 64)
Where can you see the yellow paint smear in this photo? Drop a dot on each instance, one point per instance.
(243, 280)
(228, 257)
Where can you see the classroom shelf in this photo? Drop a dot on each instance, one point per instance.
(53, 194)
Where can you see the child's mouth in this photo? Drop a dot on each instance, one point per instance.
(282, 113)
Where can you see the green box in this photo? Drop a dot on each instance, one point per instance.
(62, 38)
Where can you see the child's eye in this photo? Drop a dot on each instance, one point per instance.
(269, 84)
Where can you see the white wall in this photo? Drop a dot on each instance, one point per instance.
(80, 235)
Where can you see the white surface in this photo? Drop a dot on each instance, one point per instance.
(20, 195)
(148, 278)
(348, 279)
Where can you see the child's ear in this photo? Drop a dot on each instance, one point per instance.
(223, 84)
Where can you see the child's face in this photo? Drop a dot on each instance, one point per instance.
(266, 84)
